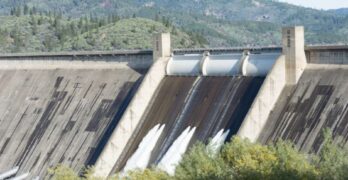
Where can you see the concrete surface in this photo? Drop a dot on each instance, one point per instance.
(51, 116)
(263, 103)
(293, 50)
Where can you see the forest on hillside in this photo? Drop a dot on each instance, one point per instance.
(27, 30)
(74, 25)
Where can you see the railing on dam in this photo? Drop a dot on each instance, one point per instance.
(327, 54)
(231, 50)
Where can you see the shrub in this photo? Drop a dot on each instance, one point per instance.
(201, 163)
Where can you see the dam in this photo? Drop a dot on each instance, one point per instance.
(127, 110)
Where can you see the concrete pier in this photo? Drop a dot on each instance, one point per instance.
(286, 71)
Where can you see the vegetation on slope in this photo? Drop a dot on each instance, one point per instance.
(30, 31)
(240, 159)
(134, 33)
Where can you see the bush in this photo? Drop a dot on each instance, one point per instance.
(291, 164)
(147, 174)
(254, 161)
(63, 173)
(201, 163)
(247, 159)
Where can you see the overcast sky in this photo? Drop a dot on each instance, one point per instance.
(320, 4)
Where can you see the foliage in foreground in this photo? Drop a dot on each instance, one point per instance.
(241, 159)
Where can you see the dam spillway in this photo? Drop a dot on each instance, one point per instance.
(209, 104)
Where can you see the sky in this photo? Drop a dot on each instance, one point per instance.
(320, 4)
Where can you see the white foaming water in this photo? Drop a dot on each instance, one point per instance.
(218, 140)
(140, 159)
(174, 155)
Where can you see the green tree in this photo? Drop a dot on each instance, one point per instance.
(147, 174)
(201, 163)
(18, 11)
(63, 173)
(26, 10)
(48, 43)
(17, 39)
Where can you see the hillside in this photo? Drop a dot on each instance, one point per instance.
(341, 11)
(214, 23)
(265, 10)
(127, 34)
(42, 33)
